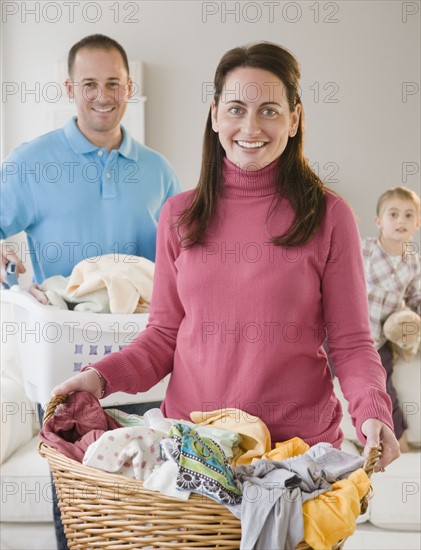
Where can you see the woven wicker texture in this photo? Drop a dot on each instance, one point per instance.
(102, 510)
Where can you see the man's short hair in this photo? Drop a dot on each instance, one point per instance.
(96, 42)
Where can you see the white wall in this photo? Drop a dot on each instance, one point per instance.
(363, 55)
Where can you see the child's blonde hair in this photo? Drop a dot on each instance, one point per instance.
(402, 193)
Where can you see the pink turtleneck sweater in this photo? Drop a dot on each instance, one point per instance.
(239, 322)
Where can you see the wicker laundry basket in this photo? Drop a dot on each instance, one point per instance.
(103, 510)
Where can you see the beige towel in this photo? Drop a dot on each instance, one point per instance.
(128, 280)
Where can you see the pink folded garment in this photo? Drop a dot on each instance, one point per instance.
(76, 425)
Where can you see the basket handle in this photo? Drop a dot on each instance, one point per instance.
(54, 402)
(373, 457)
(370, 462)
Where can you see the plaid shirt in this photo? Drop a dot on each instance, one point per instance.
(389, 285)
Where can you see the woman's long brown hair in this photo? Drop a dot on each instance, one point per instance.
(295, 179)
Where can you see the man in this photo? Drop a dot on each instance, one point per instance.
(89, 188)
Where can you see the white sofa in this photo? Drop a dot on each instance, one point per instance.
(392, 522)
(26, 501)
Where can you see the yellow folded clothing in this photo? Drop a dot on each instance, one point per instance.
(331, 516)
(255, 436)
(287, 449)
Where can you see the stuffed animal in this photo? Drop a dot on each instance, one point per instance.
(402, 328)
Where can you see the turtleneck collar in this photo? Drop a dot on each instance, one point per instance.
(249, 183)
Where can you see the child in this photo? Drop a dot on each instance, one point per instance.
(392, 270)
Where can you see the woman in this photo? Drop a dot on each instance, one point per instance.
(253, 268)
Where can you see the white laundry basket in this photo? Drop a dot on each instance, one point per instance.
(53, 344)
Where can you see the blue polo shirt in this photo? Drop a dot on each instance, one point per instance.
(75, 200)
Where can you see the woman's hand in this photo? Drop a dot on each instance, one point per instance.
(88, 380)
(378, 433)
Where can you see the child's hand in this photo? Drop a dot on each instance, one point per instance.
(88, 381)
(378, 433)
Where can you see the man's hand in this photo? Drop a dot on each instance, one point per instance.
(8, 255)
(88, 381)
(377, 433)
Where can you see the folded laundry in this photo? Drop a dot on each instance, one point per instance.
(163, 479)
(286, 449)
(273, 493)
(228, 440)
(55, 291)
(332, 516)
(128, 280)
(255, 436)
(202, 465)
(127, 420)
(338, 464)
(319, 449)
(276, 492)
(76, 425)
(132, 452)
(334, 462)
(113, 283)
